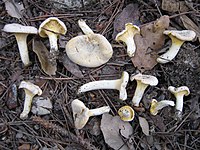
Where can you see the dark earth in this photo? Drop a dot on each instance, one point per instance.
(56, 130)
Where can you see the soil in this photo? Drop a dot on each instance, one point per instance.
(57, 130)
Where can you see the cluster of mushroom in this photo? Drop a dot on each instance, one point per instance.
(143, 81)
(177, 37)
(51, 28)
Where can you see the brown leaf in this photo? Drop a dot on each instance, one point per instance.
(190, 25)
(130, 14)
(24, 147)
(43, 56)
(144, 125)
(148, 43)
(174, 6)
(71, 67)
(113, 129)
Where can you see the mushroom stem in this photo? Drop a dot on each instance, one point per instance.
(139, 91)
(53, 42)
(164, 103)
(172, 52)
(23, 49)
(99, 111)
(84, 27)
(27, 104)
(130, 46)
(179, 102)
(103, 84)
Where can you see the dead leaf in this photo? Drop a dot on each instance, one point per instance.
(159, 122)
(43, 55)
(24, 147)
(190, 25)
(144, 125)
(148, 44)
(71, 67)
(114, 129)
(174, 6)
(13, 8)
(130, 14)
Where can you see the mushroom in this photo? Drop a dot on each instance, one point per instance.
(30, 91)
(143, 81)
(118, 84)
(178, 38)
(81, 113)
(126, 113)
(21, 32)
(127, 36)
(52, 27)
(155, 105)
(179, 93)
(89, 50)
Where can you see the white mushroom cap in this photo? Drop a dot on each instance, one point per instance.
(52, 24)
(34, 89)
(145, 79)
(183, 89)
(18, 28)
(184, 35)
(90, 50)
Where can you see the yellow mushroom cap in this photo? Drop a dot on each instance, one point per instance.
(154, 104)
(52, 24)
(126, 113)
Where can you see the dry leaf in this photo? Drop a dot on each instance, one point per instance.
(13, 8)
(144, 125)
(190, 25)
(43, 56)
(24, 147)
(148, 43)
(71, 67)
(114, 129)
(174, 6)
(130, 14)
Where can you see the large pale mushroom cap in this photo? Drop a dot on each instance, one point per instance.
(52, 24)
(91, 50)
(145, 79)
(184, 35)
(182, 89)
(32, 88)
(18, 28)
(80, 113)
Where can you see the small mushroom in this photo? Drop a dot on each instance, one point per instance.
(178, 38)
(81, 113)
(89, 50)
(30, 91)
(127, 36)
(21, 32)
(126, 113)
(179, 93)
(52, 27)
(156, 106)
(118, 84)
(143, 81)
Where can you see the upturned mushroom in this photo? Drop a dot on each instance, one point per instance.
(179, 93)
(52, 27)
(81, 113)
(21, 32)
(89, 50)
(127, 36)
(143, 81)
(156, 106)
(126, 113)
(178, 38)
(30, 91)
(118, 84)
